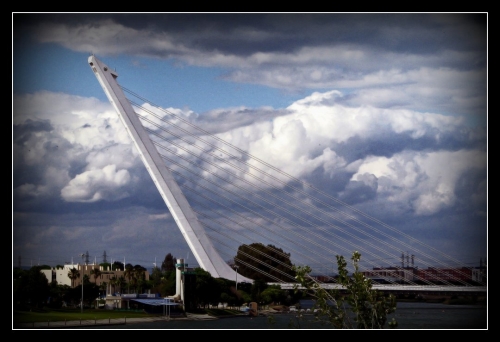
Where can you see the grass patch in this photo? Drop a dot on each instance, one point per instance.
(71, 314)
(58, 315)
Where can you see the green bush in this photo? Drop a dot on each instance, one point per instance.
(356, 306)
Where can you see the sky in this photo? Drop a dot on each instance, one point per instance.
(384, 112)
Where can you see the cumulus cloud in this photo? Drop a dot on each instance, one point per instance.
(89, 157)
(96, 184)
(318, 132)
(425, 181)
(69, 145)
(414, 159)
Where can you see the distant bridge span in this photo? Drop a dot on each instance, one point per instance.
(397, 288)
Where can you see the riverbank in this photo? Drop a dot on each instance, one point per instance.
(106, 323)
(66, 318)
(407, 311)
(410, 316)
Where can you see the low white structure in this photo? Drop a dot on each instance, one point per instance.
(60, 275)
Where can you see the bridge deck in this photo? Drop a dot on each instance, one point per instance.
(391, 287)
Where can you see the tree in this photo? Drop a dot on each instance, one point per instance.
(96, 272)
(257, 288)
(168, 263)
(121, 283)
(113, 281)
(90, 290)
(117, 266)
(139, 277)
(73, 274)
(357, 305)
(58, 294)
(273, 294)
(129, 272)
(103, 288)
(207, 289)
(31, 287)
(156, 276)
(168, 284)
(272, 263)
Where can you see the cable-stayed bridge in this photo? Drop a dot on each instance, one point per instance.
(223, 197)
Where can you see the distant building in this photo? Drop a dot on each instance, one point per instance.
(60, 275)
(116, 299)
(431, 274)
(434, 274)
(390, 274)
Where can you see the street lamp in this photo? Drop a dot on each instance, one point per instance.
(81, 303)
(236, 270)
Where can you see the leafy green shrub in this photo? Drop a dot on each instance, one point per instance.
(357, 305)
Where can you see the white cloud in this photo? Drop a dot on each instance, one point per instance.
(122, 156)
(97, 184)
(76, 131)
(298, 141)
(158, 217)
(425, 181)
(305, 139)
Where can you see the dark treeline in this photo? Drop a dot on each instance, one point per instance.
(31, 289)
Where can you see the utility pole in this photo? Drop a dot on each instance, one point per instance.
(81, 303)
(236, 270)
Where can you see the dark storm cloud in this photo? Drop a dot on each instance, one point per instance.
(23, 132)
(389, 143)
(359, 191)
(421, 61)
(243, 34)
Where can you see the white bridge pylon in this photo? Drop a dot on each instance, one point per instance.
(194, 233)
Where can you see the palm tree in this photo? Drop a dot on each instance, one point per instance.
(103, 287)
(129, 273)
(73, 274)
(139, 277)
(96, 272)
(121, 283)
(113, 282)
